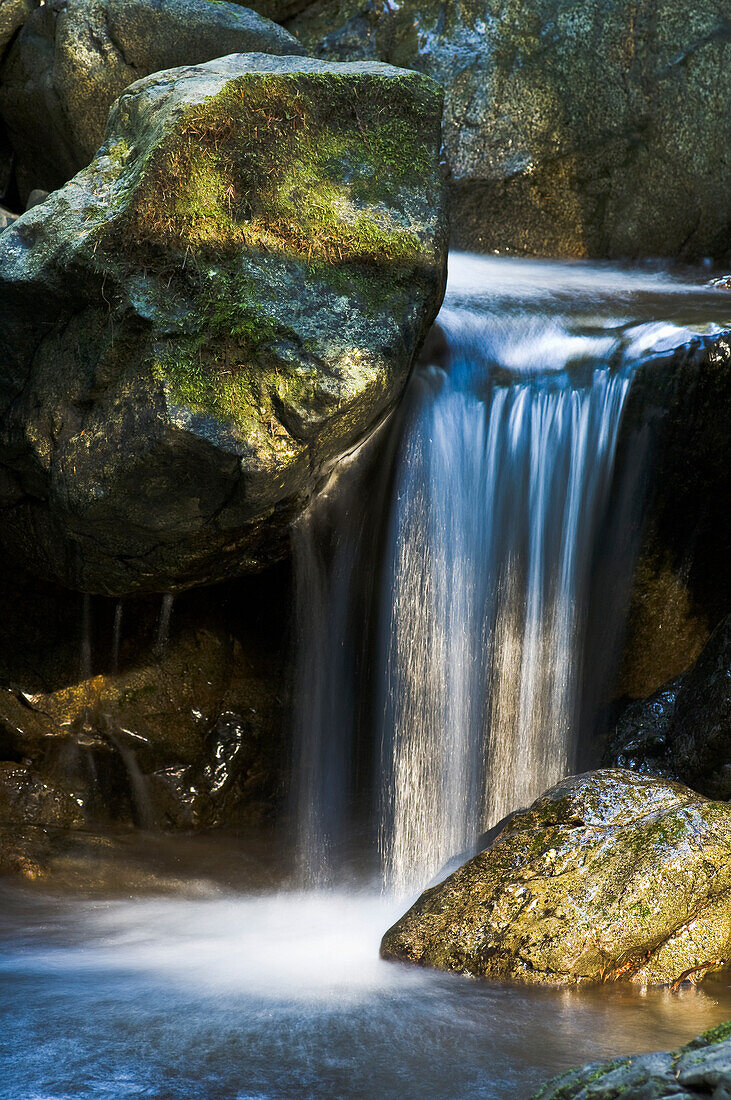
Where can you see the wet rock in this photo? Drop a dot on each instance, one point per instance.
(700, 1069)
(13, 14)
(609, 876)
(219, 307)
(129, 736)
(28, 799)
(569, 129)
(684, 730)
(675, 426)
(75, 57)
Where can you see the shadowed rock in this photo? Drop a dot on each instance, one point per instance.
(609, 876)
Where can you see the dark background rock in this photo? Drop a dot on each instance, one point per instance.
(684, 730)
(221, 305)
(75, 57)
(570, 129)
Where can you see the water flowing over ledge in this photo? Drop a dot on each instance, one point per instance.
(447, 575)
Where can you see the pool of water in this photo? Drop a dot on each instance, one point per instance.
(213, 993)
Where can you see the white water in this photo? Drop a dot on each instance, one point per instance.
(456, 632)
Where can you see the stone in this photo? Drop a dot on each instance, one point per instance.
(13, 14)
(75, 57)
(684, 730)
(7, 217)
(609, 876)
(570, 129)
(700, 1069)
(203, 321)
(36, 198)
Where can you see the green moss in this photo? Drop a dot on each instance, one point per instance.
(716, 1034)
(295, 163)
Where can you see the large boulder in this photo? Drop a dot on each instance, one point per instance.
(75, 57)
(610, 876)
(227, 299)
(570, 129)
(700, 1069)
(684, 729)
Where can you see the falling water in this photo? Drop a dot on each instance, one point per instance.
(481, 526)
(117, 636)
(163, 625)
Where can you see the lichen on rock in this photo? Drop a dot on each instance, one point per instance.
(227, 299)
(609, 876)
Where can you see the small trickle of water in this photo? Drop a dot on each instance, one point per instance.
(117, 636)
(163, 625)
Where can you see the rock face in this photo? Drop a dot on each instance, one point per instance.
(225, 301)
(675, 426)
(13, 14)
(700, 1069)
(684, 729)
(75, 57)
(610, 876)
(570, 129)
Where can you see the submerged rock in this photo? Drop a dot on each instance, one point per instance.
(75, 57)
(609, 876)
(221, 305)
(684, 730)
(570, 129)
(701, 1068)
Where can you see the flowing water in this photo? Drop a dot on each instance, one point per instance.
(446, 578)
(497, 479)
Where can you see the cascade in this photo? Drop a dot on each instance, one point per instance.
(446, 573)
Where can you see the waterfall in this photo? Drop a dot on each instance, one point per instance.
(444, 583)
(496, 505)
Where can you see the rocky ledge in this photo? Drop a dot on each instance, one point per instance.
(610, 876)
(700, 1069)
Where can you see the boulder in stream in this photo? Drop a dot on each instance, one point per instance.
(75, 57)
(570, 129)
(609, 876)
(700, 1069)
(213, 312)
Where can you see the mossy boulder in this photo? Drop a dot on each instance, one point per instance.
(205, 319)
(700, 1069)
(610, 876)
(570, 128)
(75, 57)
(684, 729)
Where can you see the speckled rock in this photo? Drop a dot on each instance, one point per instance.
(13, 14)
(609, 876)
(201, 322)
(75, 57)
(570, 128)
(699, 1070)
(684, 730)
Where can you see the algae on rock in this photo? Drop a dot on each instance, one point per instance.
(609, 876)
(222, 304)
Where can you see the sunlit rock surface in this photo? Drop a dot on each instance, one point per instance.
(570, 128)
(13, 14)
(609, 876)
(74, 57)
(224, 302)
(684, 730)
(701, 1068)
